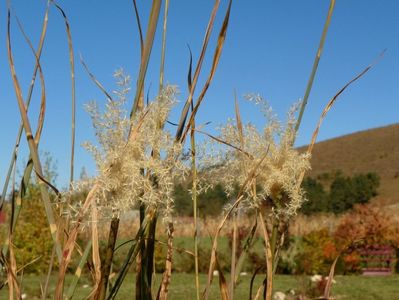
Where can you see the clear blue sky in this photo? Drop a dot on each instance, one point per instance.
(269, 50)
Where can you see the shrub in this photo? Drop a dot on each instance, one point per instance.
(318, 253)
(32, 237)
(288, 263)
(367, 225)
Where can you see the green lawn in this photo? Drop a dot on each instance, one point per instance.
(182, 287)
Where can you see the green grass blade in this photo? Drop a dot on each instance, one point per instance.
(78, 272)
(136, 11)
(161, 72)
(315, 64)
(130, 257)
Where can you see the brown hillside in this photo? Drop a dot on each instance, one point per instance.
(375, 150)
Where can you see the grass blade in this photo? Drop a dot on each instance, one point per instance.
(248, 181)
(216, 58)
(330, 279)
(130, 257)
(152, 26)
(330, 104)
(78, 272)
(167, 275)
(31, 143)
(194, 196)
(161, 72)
(224, 290)
(107, 262)
(225, 143)
(233, 256)
(96, 247)
(268, 256)
(136, 11)
(94, 79)
(27, 103)
(73, 100)
(187, 104)
(315, 64)
(247, 246)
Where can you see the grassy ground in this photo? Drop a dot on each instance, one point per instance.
(182, 287)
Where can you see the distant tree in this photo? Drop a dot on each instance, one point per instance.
(183, 201)
(365, 187)
(345, 192)
(212, 201)
(316, 197)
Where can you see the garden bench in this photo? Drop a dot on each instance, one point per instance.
(378, 260)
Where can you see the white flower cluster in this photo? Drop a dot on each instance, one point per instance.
(137, 159)
(270, 153)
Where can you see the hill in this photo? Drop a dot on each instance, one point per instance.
(374, 150)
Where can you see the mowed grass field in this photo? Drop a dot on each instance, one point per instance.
(183, 287)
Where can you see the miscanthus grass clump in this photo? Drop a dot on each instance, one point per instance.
(137, 159)
(266, 158)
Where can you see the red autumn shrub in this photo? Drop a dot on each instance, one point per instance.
(366, 225)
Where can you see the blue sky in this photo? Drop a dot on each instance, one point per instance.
(269, 50)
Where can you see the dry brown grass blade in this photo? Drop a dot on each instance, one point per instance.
(148, 43)
(167, 275)
(333, 99)
(31, 143)
(28, 168)
(225, 143)
(327, 289)
(43, 89)
(12, 273)
(73, 98)
(268, 256)
(249, 180)
(27, 103)
(215, 62)
(187, 104)
(94, 79)
(70, 243)
(258, 292)
(95, 247)
(331, 103)
(239, 122)
(55, 190)
(224, 289)
(212, 262)
(11, 268)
